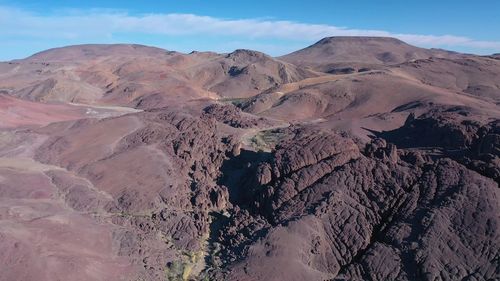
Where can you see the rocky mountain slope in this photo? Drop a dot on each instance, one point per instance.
(353, 159)
(342, 54)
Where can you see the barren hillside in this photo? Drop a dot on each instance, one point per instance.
(357, 158)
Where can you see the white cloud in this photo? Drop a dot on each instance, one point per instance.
(89, 24)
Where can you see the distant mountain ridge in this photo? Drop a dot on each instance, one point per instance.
(364, 50)
(357, 158)
(92, 51)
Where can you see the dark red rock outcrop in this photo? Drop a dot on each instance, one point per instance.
(246, 167)
(454, 133)
(418, 217)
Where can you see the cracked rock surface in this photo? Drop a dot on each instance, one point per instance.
(353, 159)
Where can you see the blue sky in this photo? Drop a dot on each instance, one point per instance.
(274, 27)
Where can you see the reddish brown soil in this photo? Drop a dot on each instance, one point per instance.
(353, 159)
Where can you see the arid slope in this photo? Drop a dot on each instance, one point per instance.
(353, 159)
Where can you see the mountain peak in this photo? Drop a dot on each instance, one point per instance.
(358, 50)
(87, 51)
(359, 39)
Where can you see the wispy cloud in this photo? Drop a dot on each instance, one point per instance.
(91, 24)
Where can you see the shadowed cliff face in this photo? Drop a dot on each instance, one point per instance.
(353, 159)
